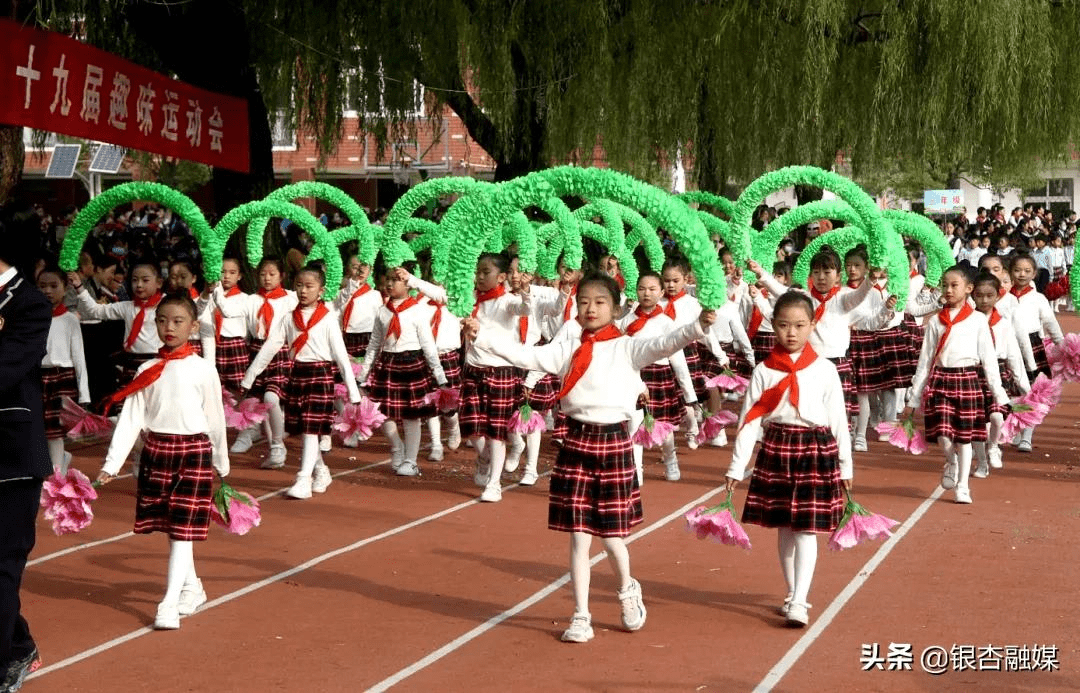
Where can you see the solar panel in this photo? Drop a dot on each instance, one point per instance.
(107, 159)
(64, 159)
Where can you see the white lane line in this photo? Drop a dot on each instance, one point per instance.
(125, 535)
(803, 644)
(225, 599)
(538, 596)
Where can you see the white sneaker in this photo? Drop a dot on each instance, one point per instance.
(435, 454)
(276, 458)
(719, 441)
(797, 614)
(321, 479)
(963, 496)
(883, 438)
(948, 474)
(491, 494)
(580, 629)
(480, 477)
(243, 442)
(994, 455)
(453, 440)
(981, 471)
(1023, 446)
(397, 458)
(860, 444)
(513, 456)
(529, 478)
(324, 444)
(691, 441)
(408, 469)
(168, 617)
(192, 596)
(783, 610)
(301, 489)
(633, 608)
(671, 470)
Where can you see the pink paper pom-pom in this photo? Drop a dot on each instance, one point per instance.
(1064, 359)
(81, 423)
(236, 511)
(904, 435)
(249, 412)
(1044, 390)
(66, 501)
(359, 421)
(718, 523)
(728, 380)
(444, 398)
(714, 424)
(526, 420)
(651, 432)
(859, 525)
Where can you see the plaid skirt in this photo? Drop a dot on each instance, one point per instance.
(196, 344)
(488, 399)
(356, 343)
(175, 487)
(1038, 350)
(737, 362)
(916, 332)
(702, 364)
(276, 375)
(956, 404)
(398, 382)
(1008, 379)
(231, 359)
(594, 486)
(309, 398)
(129, 364)
(867, 365)
(796, 481)
(451, 365)
(894, 346)
(763, 343)
(666, 402)
(847, 381)
(546, 393)
(55, 384)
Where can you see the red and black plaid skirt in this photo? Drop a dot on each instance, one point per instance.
(546, 393)
(1008, 379)
(763, 343)
(847, 381)
(956, 404)
(56, 383)
(129, 365)
(232, 360)
(196, 344)
(356, 343)
(702, 364)
(666, 402)
(594, 487)
(917, 333)
(451, 365)
(736, 361)
(894, 346)
(488, 399)
(398, 382)
(796, 481)
(175, 488)
(275, 377)
(1038, 350)
(309, 398)
(867, 366)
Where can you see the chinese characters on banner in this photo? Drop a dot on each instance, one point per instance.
(55, 83)
(943, 201)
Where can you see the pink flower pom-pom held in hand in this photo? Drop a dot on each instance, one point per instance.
(858, 525)
(526, 420)
(236, 511)
(82, 424)
(714, 424)
(718, 523)
(249, 412)
(651, 432)
(728, 380)
(445, 398)
(1064, 359)
(66, 501)
(359, 421)
(904, 435)
(1045, 391)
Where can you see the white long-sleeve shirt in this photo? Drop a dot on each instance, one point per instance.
(324, 343)
(607, 392)
(415, 336)
(832, 333)
(362, 318)
(821, 404)
(687, 310)
(1007, 305)
(969, 344)
(1007, 347)
(658, 326)
(1034, 314)
(249, 311)
(64, 349)
(147, 341)
(449, 336)
(185, 400)
(497, 317)
(728, 329)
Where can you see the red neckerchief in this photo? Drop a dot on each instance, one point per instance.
(1001, 293)
(193, 292)
(642, 318)
(569, 304)
(822, 300)
(140, 317)
(147, 377)
(669, 309)
(756, 318)
(436, 317)
(995, 318)
(364, 288)
(914, 273)
(58, 310)
(579, 362)
(488, 295)
(266, 311)
(219, 319)
(321, 311)
(965, 311)
(523, 328)
(852, 284)
(1020, 293)
(394, 328)
(780, 360)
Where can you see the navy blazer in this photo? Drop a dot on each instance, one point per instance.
(24, 333)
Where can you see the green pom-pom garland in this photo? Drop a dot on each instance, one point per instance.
(610, 236)
(400, 220)
(704, 197)
(841, 240)
(926, 233)
(768, 239)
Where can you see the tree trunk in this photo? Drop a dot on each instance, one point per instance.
(12, 154)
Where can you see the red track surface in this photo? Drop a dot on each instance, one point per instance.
(1000, 572)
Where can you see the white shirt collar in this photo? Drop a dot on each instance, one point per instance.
(8, 276)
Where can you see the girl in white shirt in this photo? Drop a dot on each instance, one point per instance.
(63, 370)
(358, 303)
(804, 463)
(759, 329)
(227, 345)
(176, 398)
(312, 336)
(401, 367)
(957, 367)
(601, 385)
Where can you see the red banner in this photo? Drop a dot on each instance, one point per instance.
(55, 83)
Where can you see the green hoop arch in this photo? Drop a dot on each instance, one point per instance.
(704, 197)
(926, 233)
(400, 220)
(841, 240)
(766, 241)
(612, 237)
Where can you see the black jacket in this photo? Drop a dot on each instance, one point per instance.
(27, 316)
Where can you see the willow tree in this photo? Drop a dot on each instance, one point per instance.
(741, 86)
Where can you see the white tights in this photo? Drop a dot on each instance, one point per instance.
(309, 453)
(56, 455)
(963, 452)
(182, 567)
(275, 419)
(798, 558)
(581, 571)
